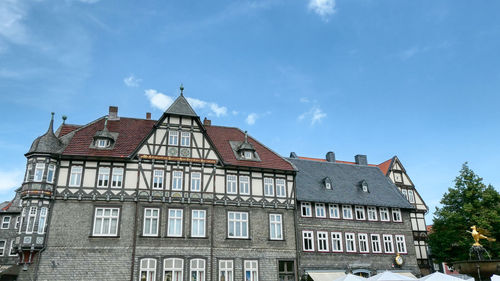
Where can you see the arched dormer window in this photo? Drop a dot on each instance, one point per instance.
(244, 150)
(364, 186)
(327, 183)
(104, 139)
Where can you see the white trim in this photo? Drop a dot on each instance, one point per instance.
(339, 239)
(154, 219)
(103, 177)
(251, 266)
(177, 178)
(237, 218)
(400, 241)
(307, 207)
(39, 167)
(195, 181)
(8, 222)
(307, 235)
(281, 188)
(227, 267)
(322, 238)
(199, 221)
(175, 270)
(268, 187)
(158, 179)
(388, 242)
(2, 249)
(197, 266)
(42, 220)
(75, 176)
(366, 242)
(278, 226)
(174, 228)
(231, 184)
(148, 266)
(332, 208)
(109, 230)
(351, 238)
(12, 247)
(320, 207)
(244, 185)
(378, 242)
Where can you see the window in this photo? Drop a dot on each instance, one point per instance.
(347, 212)
(286, 271)
(251, 271)
(106, 221)
(400, 244)
(173, 269)
(195, 181)
(185, 138)
(307, 241)
(388, 246)
(28, 172)
(363, 242)
(175, 222)
(102, 143)
(117, 178)
(42, 220)
(280, 188)
(322, 241)
(39, 169)
(50, 173)
(268, 187)
(151, 220)
(197, 270)
(158, 179)
(18, 222)
(405, 193)
(103, 177)
(198, 218)
(320, 210)
(350, 242)
(31, 220)
(23, 214)
(384, 214)
(244, 185)
(328, 185)
(225, 270)
(237, 224)
(148, 270)
(231, 184)
(173, 137)
(12, 251)
(376, 243)
(306, 209)
(5, 222)
(372, 213)
(411, 196)
(247, 155)
(360, 212)
(276, 226)
(337, 242)
(76, 176)
(177, 180)
(396, 214)
(2, 247)
(334, 211)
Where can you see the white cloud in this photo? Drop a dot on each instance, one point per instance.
(158, 100)
(196, 103)
(10, 179)
(304, 100)
(218, 110)
(12, 27)
(89, 1)
(324, 8)
(132, 81)
(315, 114)
(234, 112)
(251, 118)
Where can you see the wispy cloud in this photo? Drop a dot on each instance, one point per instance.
(315, 115)
(324, 8)
(10, 179)
(89, 1)
(132, 81)
(251, 118)
(12, 27)
(162, 102)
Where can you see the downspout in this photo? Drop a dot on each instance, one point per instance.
(134, 239)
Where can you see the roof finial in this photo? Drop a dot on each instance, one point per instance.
(51, 126)
(246, 136)
(105, 123)
(182, 89)
(64, 117)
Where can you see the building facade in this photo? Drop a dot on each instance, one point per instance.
(10, 216)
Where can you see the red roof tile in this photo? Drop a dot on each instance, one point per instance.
(221, 136)
(384, 166)
(8, 206)
(130, 133)
(66, 129)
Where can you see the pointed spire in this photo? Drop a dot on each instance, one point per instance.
(182, 89)
(246, 137)
(51, 126)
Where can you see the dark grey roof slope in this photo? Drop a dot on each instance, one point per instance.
(181, 107)
(47, 143)
(346, 184)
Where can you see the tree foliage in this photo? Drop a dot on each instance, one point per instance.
(469, 203)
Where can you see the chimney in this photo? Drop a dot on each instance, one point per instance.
(361, 159)
(293, 155)
(148, 115)
(113, 113)
(207, 122)
(330, 156)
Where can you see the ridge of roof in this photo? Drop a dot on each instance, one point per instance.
(384, 166)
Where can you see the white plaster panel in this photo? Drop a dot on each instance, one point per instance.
(63, 176)
(91, 164)
(130, 179)
(89, 178)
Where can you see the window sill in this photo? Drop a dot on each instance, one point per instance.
(106, 237)
(236, 238)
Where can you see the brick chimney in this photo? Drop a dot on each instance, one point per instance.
(113, 113)
(330, 156)
(361, 159)
(207, 122)
(148, 115)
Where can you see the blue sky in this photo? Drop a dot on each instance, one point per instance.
(417, 79)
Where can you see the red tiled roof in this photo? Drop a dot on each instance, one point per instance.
(384, 166)
(8, 206)
(130, 131)
(67, 128)
(221, 136)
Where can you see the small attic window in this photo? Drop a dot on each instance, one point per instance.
(247, 154)
(364, 186)
(328, 183)
(102, 143)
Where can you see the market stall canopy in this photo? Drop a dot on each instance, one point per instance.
(438, 276)
(350, 277)
(325, 276)
(389, 276)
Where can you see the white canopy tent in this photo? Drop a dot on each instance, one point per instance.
(438, 276)
(389, 276)
(495, 277)
(325, 276)
(350, 277)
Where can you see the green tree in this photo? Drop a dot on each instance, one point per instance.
(469, 203)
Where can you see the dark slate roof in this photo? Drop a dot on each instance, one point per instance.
(181, 107)
(346, 184)
(47, 143)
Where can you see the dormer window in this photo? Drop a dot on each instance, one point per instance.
(244, 150)
(248, 155)
(102, 143)
(328, 183)
(104, 139)
(364, 186)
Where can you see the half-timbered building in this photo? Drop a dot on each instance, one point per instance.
(173, 199)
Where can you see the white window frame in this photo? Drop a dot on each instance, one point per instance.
(280, 188)
(337, 244)
(384, 214)
(363, 241)
(28, 172)
(39, 171)
(231, 184)
(103, 177)
(372, 213)
(320, 210)
(411, 196)
(306, 206)
(42, 220)
(360, 213)
(309, 237)
(6, 224)
(102, 218)
(148, 266)
(177, 272)
(12, 248)
(177, 177)
(31, 219)
(2, 249)
(347, 208)
(18, 222)
(376, 244)
(23, 214)
(158, 178)
(198, 223)
(173, 137)
(117, 178)
(328, 185)
(235, 219)
(226, 268)
(251, 269)
(276, 226)
(322, 240)
(151, 222)
(334, 211)
(400, 244)
(195, 181)
(388, 241)
(405, 193)
(396, 215)
(268, 187)
(75, 177)
(175, 225)
(244, 185)
(197, 266)
(51, 171)
(102, 143)
(248, 154)
(185, 139)
(350, 242)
